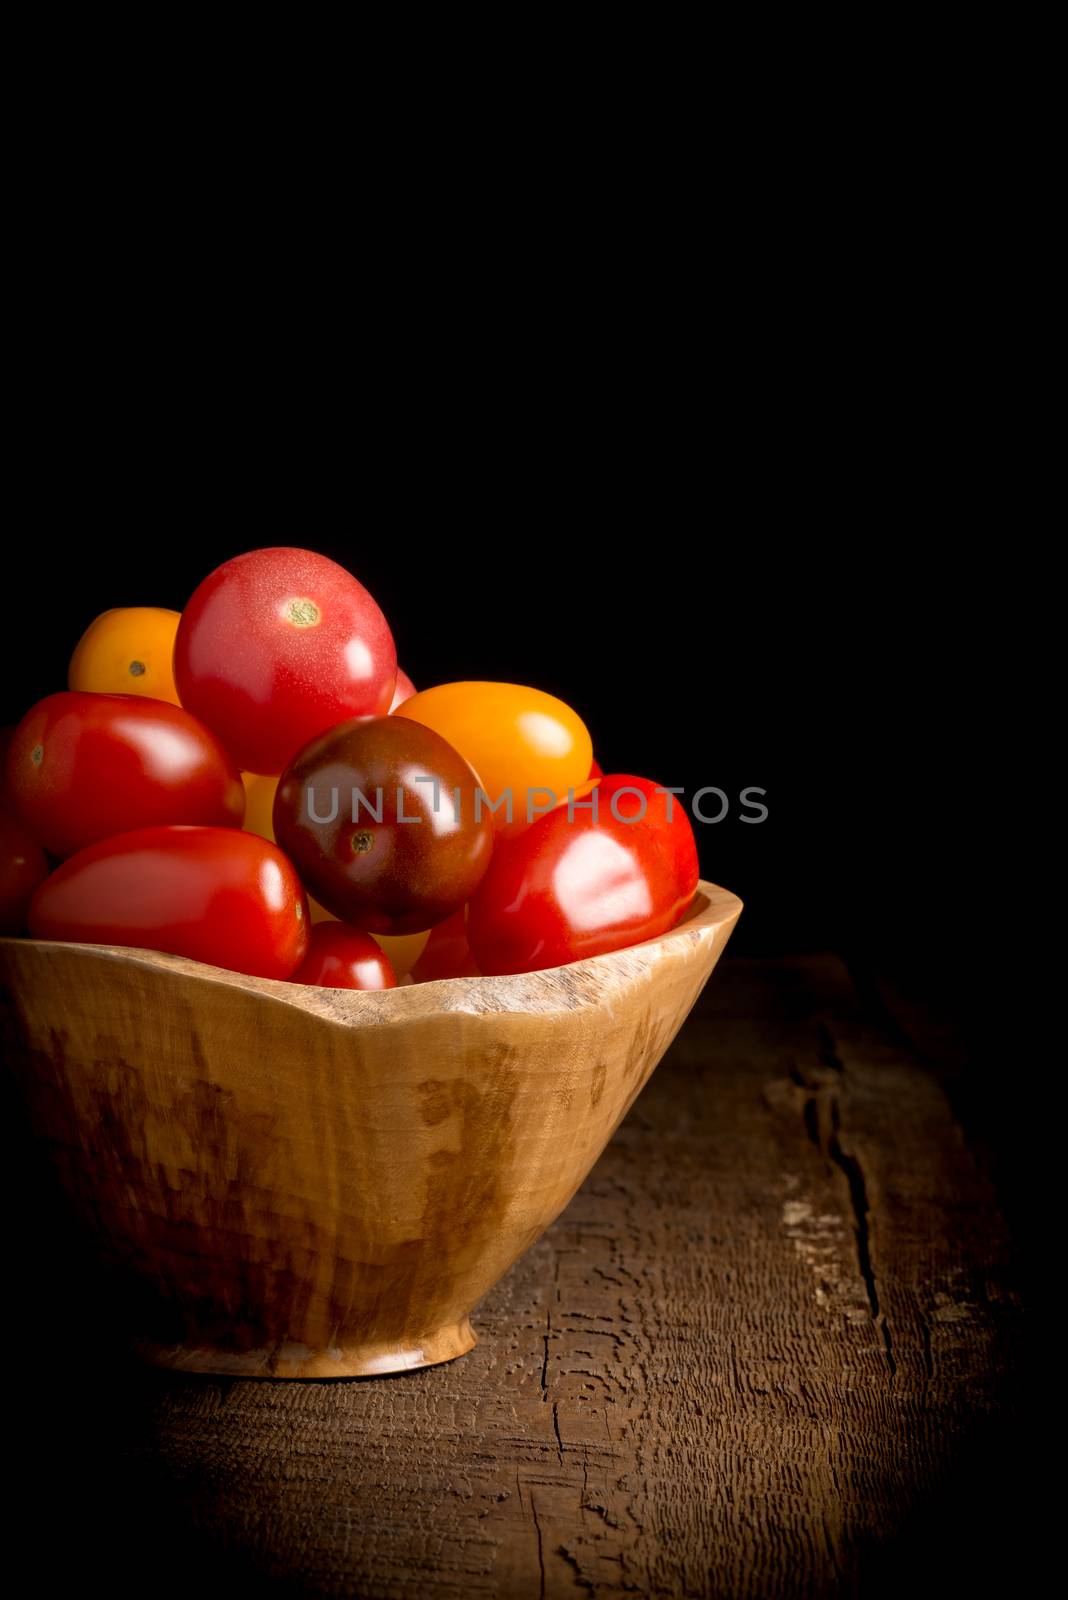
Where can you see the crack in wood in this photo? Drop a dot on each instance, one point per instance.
(822, 1117)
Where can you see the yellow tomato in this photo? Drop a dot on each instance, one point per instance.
(518, 740)
(403, 949)
(127, 651)
(259, 805)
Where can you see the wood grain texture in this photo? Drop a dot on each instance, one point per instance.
(765, 1352)
(312, 1183)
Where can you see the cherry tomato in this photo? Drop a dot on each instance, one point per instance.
(22, 868)
(214, 894)
(401, 847)
(84, 766)
(572, 887)
(404, 690)
(653, 807)
(275, 647)
(402, 949)
(127, 651)
(340, 957)
(447, 953)
(518, 740)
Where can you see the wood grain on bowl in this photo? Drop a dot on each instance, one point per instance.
(294, 1182)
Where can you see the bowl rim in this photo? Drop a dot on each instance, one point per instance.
(711, 916)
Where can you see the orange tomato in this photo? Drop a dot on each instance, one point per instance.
(127, 651)
(517, 739)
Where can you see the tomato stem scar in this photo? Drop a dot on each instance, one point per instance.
(37, 754)
(136, 669)
(362, 841)
(303, 613)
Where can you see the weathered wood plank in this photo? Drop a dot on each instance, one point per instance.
(758, 1345)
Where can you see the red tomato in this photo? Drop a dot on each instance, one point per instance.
(22, 868)
(277, 646)
(447, 953)
(82, 767)
(571, 888)
(661, 811)
(340, 957)
(596, 770)
(214, 894)
(404, 690)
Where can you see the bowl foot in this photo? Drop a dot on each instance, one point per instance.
(291, 1360)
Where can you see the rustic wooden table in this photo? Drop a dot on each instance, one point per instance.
(766, 1351)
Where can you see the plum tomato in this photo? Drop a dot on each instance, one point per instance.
(275, 647)
(404, 690)
(340, 957)
(22, 868)
(520, 741)
(380, 818)
(213, 894)
(127, 651)
(81, 767)
(578, 886)
(650, 806)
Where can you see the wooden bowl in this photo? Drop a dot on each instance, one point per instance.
(291, 1182)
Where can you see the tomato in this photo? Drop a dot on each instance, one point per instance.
(401, 846)
(652, 807)
(447, 953)
(22, 868)
(404, 690)
(403, 949)
(519, 741)
(84, 766)
(275, 647)
(595, 771)
(340, 957)
(574, 887)
(214, 894)
(127, 651)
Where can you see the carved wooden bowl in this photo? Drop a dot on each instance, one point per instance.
(291, 1182)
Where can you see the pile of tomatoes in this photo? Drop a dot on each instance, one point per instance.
(253, 783)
